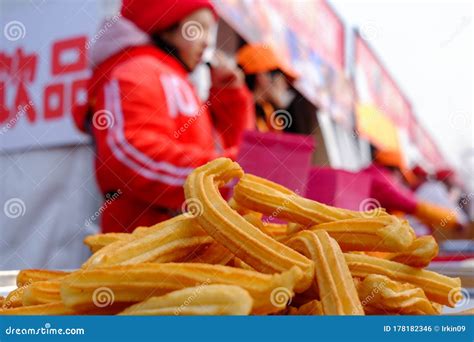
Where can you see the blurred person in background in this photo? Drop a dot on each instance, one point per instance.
(148, 124)
(437, 189)
(390, 180)
(269, 79)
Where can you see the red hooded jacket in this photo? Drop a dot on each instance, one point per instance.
(151, 130)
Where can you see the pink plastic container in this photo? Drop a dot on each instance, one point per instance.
(279, 157)
(338, 188)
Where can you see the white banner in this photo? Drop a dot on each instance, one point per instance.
(43, 70)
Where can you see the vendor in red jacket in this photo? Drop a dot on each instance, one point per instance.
(388, 189)
(148, 124)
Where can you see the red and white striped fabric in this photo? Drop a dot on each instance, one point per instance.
(151, 130)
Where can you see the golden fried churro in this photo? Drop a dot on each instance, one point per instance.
(274, 200)
(45, 289)
(437, 287)
(384, 233)
(336, 287)
(293, 228)
(129, 284)
(14, 299)
(180, 235)
(277, 230)
(312, 308)
(215, 254)
(29, 276)
(200, 300)
(98, 241)
(379, 293)
(56, 308)
(419, 254)
(227, 227)
(42, 292)
(2, 300)
(236, 262)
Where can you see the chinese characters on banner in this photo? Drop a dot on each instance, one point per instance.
(43, 71)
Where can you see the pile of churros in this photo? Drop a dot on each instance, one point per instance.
(267, 250)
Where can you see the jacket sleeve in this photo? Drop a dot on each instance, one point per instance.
(233, 111)
(392, 198)
(139, 148)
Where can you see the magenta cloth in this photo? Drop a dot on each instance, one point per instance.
(338, 188)
(390, 193)
(280, 157)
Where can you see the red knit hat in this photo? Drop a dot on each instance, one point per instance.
(444, 174)
(158, 15)
(420, 172)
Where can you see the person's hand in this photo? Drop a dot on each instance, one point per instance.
(224, 73)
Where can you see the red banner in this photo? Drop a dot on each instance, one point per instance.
(317, 24)
(376, 87)
(310, 37)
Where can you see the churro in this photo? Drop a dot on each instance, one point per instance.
(336, 287)
(42, 292)
(379, 293)
(419, 254)
(14, 299)
(312, 308)
(227, 227)
(383, 233)
(55, 309)
(98, 241)
(274, 200)
(166, 242)
(29, 276)
(437, 287)
(215, 254)
(236, 262)
(200, 300)
(129, 284)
